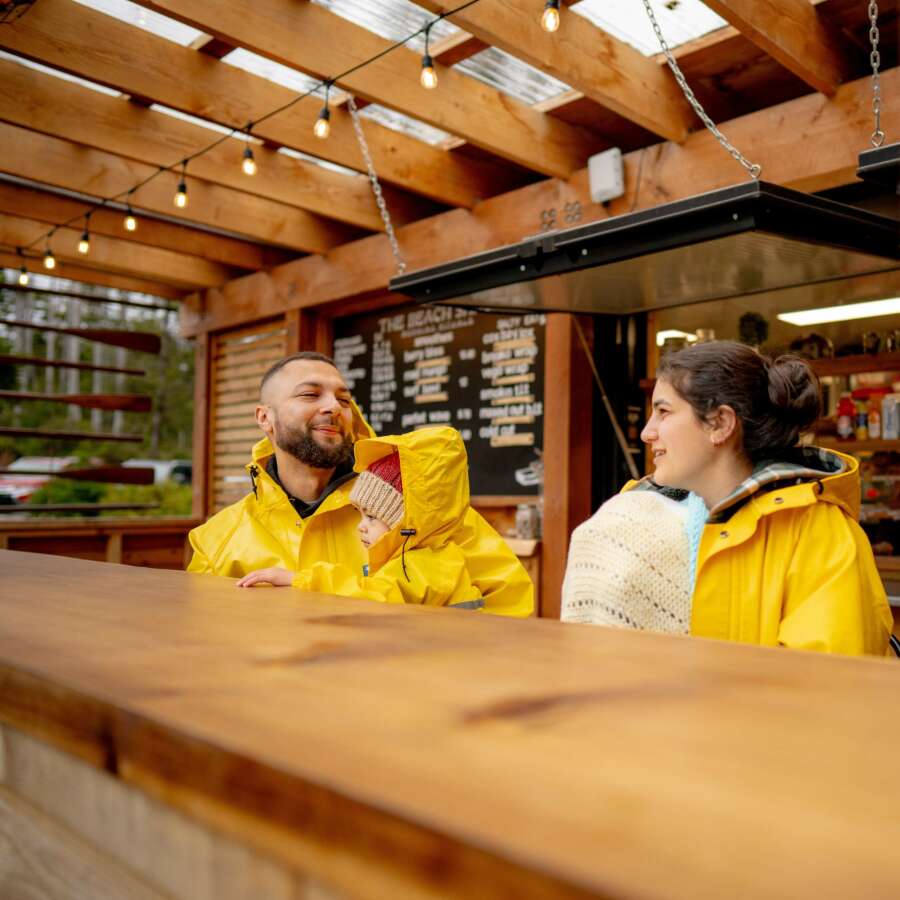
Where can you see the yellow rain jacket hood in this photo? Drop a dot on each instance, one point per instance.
(417, 561)
(783, 561)
(263, 530)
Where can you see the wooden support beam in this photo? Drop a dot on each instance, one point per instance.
(95, 46)
(74, 272)
(455, 48)
(55, 208)
(819, 150)
(115, 255)
(604, 68)
(201, 476)
(59, 163)
(567, 452)
(314, 40)
(212, 46)
(793, 33)
(65, 110)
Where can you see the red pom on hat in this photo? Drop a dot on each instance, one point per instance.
(388, 469)
(379, 490)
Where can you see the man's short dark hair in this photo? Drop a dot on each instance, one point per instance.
(303, 354)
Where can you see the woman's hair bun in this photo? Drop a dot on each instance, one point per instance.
(794, 391)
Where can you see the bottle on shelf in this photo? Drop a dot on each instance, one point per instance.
(862, 420)
(846, 417)
(875, 399)
(890, 417)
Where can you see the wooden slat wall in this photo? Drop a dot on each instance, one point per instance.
(238, 360)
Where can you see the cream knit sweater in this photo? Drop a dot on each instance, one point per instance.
(630, 566)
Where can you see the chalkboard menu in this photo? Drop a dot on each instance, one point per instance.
(415, 366)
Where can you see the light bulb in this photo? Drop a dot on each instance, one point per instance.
(23, 276)
(181, 195)
(550, 16)
(322, 128)
(130, 222)
(249, 163)
(428, 76)
(84, 245)
(49, 259)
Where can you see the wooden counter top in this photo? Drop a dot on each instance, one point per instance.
(396, 751)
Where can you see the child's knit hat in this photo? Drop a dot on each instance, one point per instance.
(379, 490)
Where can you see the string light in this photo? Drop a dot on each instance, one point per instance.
(84, 245)
(181, 194)
(428, 77)
(130, 221)
(550, 16)
(249, 163)
(322, 128)
(23, 272)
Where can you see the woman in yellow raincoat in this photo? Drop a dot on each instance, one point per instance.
(781, 559)
(416, 560)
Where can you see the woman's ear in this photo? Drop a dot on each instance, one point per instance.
(723, 425)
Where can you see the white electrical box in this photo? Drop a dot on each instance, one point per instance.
(606, 175)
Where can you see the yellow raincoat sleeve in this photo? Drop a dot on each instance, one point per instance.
(834, 598)
(436, 578)
(200, 563)
(494, 569)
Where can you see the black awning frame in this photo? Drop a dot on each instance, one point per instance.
(753, 206)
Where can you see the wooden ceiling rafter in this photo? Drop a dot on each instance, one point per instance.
(609, 71)
(795, 34)
(291, 33)
(81, 41)
(95, 277)
(70, 111)
(114, 254)
(53, 161)
(53, 208)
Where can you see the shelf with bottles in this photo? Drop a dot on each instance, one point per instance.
(833, 442)
(855, 365)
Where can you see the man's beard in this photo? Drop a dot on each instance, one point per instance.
(300, 443)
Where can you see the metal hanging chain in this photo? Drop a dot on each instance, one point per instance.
(875, 59)
(376, 187)
(753, 169)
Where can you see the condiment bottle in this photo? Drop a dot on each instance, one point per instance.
(846, 417)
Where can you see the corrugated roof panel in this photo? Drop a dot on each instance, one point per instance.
(679, 20)
(511, 76)
(161, 26)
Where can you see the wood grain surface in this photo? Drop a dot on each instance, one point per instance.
(396, 751)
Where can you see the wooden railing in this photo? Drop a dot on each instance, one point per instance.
(156, 543)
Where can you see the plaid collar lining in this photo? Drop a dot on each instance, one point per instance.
(800, 465)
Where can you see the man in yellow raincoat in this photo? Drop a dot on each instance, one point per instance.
(299, 512)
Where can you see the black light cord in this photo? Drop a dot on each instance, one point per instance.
(324, 83)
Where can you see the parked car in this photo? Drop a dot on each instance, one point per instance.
(19, 488)
(177, 470)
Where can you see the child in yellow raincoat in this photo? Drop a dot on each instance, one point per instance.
(412, 494)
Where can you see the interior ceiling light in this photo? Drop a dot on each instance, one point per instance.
(661, 336)
(844, 313)
(731, 242)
